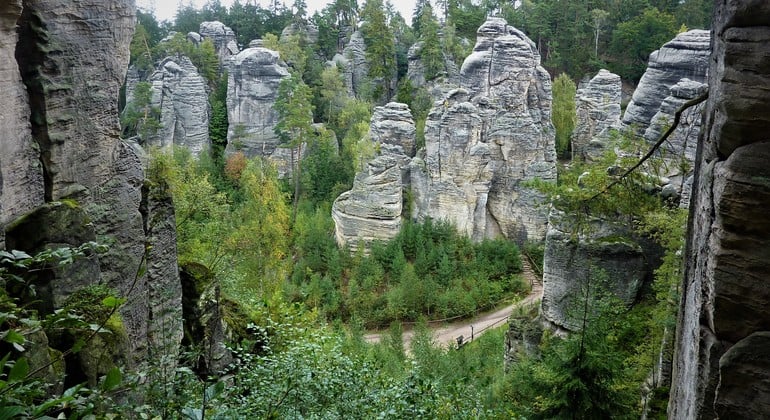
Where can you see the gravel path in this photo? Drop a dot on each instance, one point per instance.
(446, 334)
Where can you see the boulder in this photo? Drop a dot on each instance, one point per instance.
(609, 259)
(597, 105)
(686, 56)
(223, 38)
(721, 346)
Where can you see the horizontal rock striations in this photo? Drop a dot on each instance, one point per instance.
(686, 56)
(180, 93)
(597, 106)
(253, 79)
(222, 37)
(486, 139)
(373, 209)
(721, 360)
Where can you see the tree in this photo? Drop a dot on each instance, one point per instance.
(380, 48)
(598, 18)
(295, 123)
(140, 117)
(564, 113)
(431, 53)
(633, 41)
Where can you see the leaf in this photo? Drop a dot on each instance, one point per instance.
(19, 370)
(112, 380)
(14, 337)
(112, 302)
(20, 255)
(192, 413)
(214, 390)
(11, 412)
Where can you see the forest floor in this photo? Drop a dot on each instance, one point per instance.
(447, 334)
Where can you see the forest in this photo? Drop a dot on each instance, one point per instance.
(299, 305)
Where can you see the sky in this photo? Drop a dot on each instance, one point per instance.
(165, 9)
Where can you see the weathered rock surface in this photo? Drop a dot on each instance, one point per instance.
(485, 139)
(307, 31)
(253, 80)
(372, 209)
(72, 57)
(678, 151)
(725, 294)
(393, 124)
(180, 93)
(416, 70)
(21, 175)
(597, 105)
(607, 258)
(223, 38)
(356, 70)
(686, 56)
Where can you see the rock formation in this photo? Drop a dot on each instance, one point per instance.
(721, 361)
(597, 106)
(353, 62)
(21, 175)
(487, 138)
(180, 93)
(416, 70)
(372, 209)
(686, 56)
(678, 151)
(252, 88)
(73, 73)
(223, 38)
(610, 257)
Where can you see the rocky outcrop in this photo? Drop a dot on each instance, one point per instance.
(721, 357)
(677, 153)
(372, 210)
(72, 57)
(608, 258)
(21, 174)
(223, 38)
(483, 141)
(307, 32)
(252, 88)
(393, 124)
(353, 62)
(416, 70)
(180, 93)
(597, 106)
(686, 56)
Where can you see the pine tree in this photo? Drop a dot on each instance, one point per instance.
(295, 123)
(431, 55)
(380, 47)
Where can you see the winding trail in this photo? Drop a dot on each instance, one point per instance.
(446, 335)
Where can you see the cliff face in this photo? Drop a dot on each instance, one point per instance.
(252, 88)
(484, 140)
(721, 360)
(21, 174)
(597, 105)
(685, 56)
(71, 58)
(180, 93)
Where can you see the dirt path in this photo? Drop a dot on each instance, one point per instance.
(446, 334)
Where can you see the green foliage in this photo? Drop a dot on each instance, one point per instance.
(203, 56)
(431, 53)
(140, 117)
(380, 47)
(636, 39)
(564, 115)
